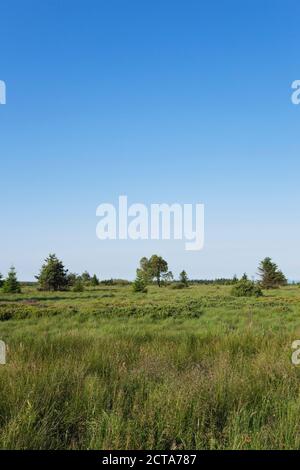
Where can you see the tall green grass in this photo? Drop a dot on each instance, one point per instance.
(108, 369)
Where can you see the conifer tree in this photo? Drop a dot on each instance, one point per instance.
(139, 284)
(53, 275)
(94, 281)
(11, 284)
(271, 276)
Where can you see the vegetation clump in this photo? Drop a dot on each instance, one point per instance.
(183, 277)
(95, 281)
(178, 285)
(246, 288)
(78, 285)
(139, 284)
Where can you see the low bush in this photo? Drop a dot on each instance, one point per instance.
(178, 285)
(246, 288)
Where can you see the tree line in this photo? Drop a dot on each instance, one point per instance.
(156, 269)
(53, 276)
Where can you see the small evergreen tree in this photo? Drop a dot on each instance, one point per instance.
(1, 281)
(183, 278)
(94, 281)
(271, 276)
(53, 275)
(11, 284)
(139, 285)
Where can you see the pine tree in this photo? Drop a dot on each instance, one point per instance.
(94, 281)
(139, 285)
(53, 275)
(11, 284)
(183, 278)
(271, 276)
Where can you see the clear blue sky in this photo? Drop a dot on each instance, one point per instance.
(165, 101)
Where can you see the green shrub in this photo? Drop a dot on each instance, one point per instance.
(179, 285)
(78, 286)
(21, 311)
(246, 288)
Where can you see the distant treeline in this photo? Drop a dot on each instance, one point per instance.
(126, 282)
(220, 281)
(53, 276)
(115, 282)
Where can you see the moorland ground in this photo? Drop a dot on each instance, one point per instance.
(171, 369)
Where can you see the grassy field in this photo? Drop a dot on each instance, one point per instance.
(171, 369)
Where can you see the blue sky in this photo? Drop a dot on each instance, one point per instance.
(164, 101)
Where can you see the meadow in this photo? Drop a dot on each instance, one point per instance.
(171, 369)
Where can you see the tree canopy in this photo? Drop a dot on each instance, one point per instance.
(53, 276)
(271, 276)
(153, 268)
